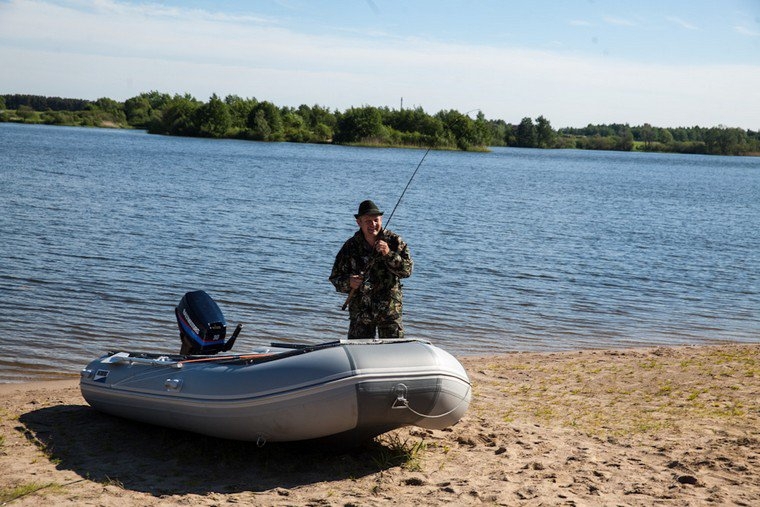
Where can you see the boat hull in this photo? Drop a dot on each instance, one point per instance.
(352, 389)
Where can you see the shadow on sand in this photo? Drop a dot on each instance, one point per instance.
(162, 461)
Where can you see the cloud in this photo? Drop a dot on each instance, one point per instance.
(612, 20)
(682, 23)
(745, 30)
(110, 49)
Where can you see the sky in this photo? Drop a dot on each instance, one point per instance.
(669, 63)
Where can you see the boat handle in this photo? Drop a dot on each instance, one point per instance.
(400, 402)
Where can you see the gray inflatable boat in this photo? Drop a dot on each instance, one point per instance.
(350, 390)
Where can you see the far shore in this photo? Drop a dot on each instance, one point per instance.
(646, 426)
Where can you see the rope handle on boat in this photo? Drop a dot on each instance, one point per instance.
(401, 402)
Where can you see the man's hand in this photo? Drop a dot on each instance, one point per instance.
(382, 247)
(356, 281)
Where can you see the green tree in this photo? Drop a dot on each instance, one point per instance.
(26, 113)
(544, 133)
(60, 118)
(107, 105)
(104, 111)
(322, 133)
(647, 136)
(498, 132)
(295, 128)
(625, 141)
(319, 121)
(157, 100)
(144, 111)
(239, 109)
(213, 119)
(460, 129)
(360, 124)
(525, 135)
(138, 111)
(259, 127)
(482, 132)
(722, 140)
(265, 122)
(414, 126)
(319, 115)
(176, 117)
(664, 136)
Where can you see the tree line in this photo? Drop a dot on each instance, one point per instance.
(248, 118)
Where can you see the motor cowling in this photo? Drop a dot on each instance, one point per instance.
(202, 327)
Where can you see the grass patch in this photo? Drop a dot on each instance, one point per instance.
(44, 448)
(22, 490)
(647, 393)
(108, 481)
(398, 452)
(650, 364)
(508, 417)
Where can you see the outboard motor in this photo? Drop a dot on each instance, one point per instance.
(202, 327)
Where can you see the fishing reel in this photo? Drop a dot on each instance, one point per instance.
(366, 285)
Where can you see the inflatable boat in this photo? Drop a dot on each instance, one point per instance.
(349, 390)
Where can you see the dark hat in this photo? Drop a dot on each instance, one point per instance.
(368, 208)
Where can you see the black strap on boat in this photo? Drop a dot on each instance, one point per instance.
(296, 349)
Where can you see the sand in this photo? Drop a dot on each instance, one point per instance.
(655, 426)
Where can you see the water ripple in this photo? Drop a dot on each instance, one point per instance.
(514, 250)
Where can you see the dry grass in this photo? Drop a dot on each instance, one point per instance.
(607, 394)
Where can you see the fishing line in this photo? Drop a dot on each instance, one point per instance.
(407, 186)
(371, 262)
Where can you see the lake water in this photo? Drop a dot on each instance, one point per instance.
(105, 230)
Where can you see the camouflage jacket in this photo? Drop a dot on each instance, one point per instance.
(381, 294)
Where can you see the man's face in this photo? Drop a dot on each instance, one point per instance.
(370, 224)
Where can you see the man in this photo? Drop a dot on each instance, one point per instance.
(369, 267)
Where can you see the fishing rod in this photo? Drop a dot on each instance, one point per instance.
(380, 234)
(406, 187)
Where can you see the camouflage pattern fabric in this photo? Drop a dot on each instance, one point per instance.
(377, 305)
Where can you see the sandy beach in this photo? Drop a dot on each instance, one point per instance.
(653, 426)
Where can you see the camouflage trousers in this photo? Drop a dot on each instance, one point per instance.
(376, 315)
(358, 330)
